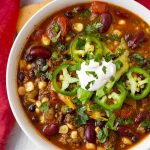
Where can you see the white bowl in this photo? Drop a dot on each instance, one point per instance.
(11, 76)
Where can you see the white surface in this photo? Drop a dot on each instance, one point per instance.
(18, 141)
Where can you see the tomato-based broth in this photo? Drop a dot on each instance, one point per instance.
(83, 78)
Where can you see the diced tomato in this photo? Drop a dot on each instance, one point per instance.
(63, 23)
(98, 7)
(126, 112)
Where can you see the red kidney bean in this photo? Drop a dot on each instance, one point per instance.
(127, 37)
(141, 116)
(121, 14)
(136, 40)
(106, 20)
(90, 133)
(124, 130)
(40, 51)
(51, 130)
(21, 76)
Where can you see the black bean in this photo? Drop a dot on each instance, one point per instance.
(21, 76)
(29, 58)
(106, 20)
(90, 133)
(32, 107)
(147, 129)
(134, 138)
(69, 14)
(51, 129)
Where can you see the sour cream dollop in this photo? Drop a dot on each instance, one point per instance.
(93, 76)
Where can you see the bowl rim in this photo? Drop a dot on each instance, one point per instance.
(20, 115)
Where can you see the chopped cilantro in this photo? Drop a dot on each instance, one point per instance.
(44, 107)
(37, 73)
(103, 134)
(61, 46)
(44, 68)
(56, 28)
(88, 85)
(49, 75)
(55, 38)
(55, 55)
(95, 107)
(93, 27)
(92, 73)
(81, 117)
(145, 124)
(114, 37)
(85, 13)
(81, 43)
(138, 57)
(104, 69)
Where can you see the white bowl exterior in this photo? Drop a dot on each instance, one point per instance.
(11, 76)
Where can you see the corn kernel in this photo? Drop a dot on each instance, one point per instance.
(74, 134)
(117, 32)
(37, 110)
(42, 85)
(100, 148)
(97, 129)
(70, 126)
(31, 100)
(21, 91)
(78, 27)
(45, 99)
(126, 141)
(29, 86)
(38, 103)
(29, 66)
(148, 30)
(63, 129)
(42, 119)
(121, 22)
(68, 38)
(90, 146)
(45, 40)
(23, 64)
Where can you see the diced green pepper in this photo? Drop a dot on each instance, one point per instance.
(138, 88)
(115, 98)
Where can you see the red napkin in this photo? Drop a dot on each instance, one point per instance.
(8, 17)
(146, 3)
(9, 10)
